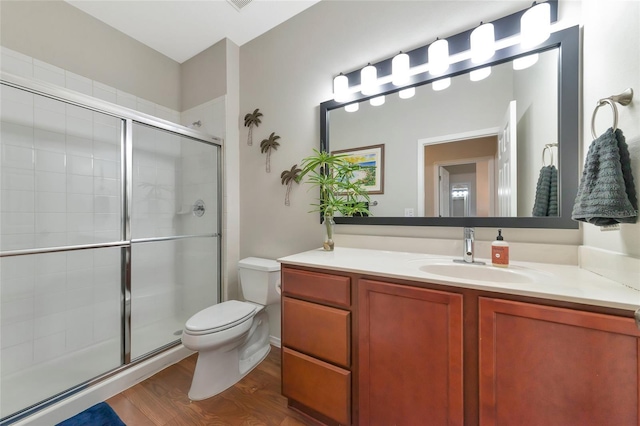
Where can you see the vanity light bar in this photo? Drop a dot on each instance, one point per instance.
(542, 30)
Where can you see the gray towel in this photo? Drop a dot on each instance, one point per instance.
(546, 202)
(607, 195)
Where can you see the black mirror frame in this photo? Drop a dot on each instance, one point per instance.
(567, 42)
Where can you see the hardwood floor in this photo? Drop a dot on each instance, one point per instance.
(162, 399)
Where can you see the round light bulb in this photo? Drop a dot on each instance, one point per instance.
(377, 101)
(482, 43)
(340, 88)
(525, 62)
(535, 25)
(441, 84)
(407, 93)
(438, 53)
(480, 74)
(368, 80)
(352, 107)
(400, 69)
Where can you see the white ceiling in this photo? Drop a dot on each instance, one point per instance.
(180, 29)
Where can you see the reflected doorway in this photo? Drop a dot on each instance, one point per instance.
(457, 190)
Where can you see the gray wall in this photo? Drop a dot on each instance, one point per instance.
(536, 104)
(61, 35)
(204, 76)
(611, 63)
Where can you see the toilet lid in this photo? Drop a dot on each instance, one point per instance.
(219, 317)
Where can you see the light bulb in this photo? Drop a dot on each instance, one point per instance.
(480, 74)
(340, 88)
(535, 25)
(400, 69)
(438, 53)
(407, 93)
(525, 62)
(377, 101)
(441, 84)
(368, 80)
(482, 43)
(352, 107)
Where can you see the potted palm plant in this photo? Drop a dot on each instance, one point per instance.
(340, 192)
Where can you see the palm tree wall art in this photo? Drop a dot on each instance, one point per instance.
(288, 178)
(251, 120)
(271, 143)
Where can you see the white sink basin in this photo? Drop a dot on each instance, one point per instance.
(477, 272)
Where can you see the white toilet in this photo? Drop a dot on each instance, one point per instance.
(233, 337)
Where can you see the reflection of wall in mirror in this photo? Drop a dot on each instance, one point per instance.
(464, 107)
(481, 152)
(535, 90)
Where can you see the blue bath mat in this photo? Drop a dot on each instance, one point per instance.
(99, 415)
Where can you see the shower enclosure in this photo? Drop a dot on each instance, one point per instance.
(109, 239)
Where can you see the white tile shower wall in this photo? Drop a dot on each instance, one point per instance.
(59, 185)
(199, 178)
(199, 182)
(57, 303)
(156, 170)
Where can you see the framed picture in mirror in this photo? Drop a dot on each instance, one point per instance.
(371, 161)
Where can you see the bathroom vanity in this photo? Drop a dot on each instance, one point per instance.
(378, 338)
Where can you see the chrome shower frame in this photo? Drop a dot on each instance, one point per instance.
(128, 117)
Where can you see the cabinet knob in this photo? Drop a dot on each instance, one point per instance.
(636, 315)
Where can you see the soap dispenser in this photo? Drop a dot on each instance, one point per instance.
(500, 251)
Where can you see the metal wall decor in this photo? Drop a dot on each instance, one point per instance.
(288, 177)
(267, 145)
(252, 119)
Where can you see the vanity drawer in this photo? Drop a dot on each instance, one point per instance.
(317, 330)
(333, 289)
(322, 387)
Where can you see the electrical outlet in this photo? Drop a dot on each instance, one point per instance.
(408, 212)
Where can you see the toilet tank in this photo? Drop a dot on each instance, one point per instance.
(259, 278)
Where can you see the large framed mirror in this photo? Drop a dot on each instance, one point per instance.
(473, 154)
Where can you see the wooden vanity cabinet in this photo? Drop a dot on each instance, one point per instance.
(410, 355)
(367, 351)
(316, 344)
(543, 365)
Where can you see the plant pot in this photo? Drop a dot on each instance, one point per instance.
(328, 243)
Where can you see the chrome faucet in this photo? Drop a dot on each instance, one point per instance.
(467, 254)
(467, 249)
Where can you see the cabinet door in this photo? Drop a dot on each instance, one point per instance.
(541, 365)
(410, 355)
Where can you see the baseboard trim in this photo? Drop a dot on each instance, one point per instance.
(275, 341)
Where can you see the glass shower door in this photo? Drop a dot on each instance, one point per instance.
(60, 247)
(174, 233)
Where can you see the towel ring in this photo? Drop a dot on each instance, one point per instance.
(623, 98)
(546, 148)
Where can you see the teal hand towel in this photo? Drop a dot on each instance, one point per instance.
(607, 194)
(552, 209)
(546, 201)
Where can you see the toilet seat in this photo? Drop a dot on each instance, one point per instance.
(220, 317)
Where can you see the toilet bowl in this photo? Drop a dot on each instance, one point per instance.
(232, 337)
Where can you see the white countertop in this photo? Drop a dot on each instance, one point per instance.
(557, 282)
